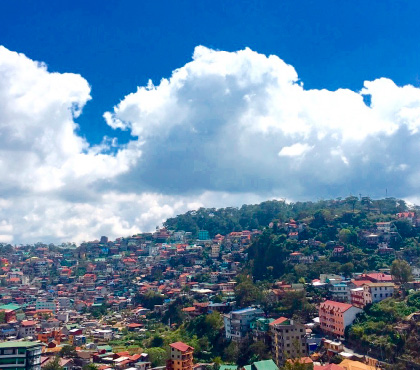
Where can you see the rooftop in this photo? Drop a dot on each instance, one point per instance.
(18, 344)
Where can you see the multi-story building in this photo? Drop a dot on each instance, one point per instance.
(238, 323)
(288, 340)
(340, 292)
(261, 330)
(47, 304)
(357, 297)
(203, 235)
(20, 355)
(181, 357)
(371, 293)
(27, 328)
(334, 317)
(215, 250)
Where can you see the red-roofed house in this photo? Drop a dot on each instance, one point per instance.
(334, 317)
(181, 357)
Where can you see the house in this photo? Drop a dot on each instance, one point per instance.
(371, 293)
(334, 317)
(261, 365)
(27, 328)
(181, 357)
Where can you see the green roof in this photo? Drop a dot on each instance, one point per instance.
(228, 367)
(265, 365)
(107, 348)
(18, 344)
(10, 306)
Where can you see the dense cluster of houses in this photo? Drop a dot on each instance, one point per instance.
(49, 296)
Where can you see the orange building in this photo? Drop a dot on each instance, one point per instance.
(181, 357)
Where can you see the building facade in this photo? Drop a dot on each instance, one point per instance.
(181, 357)
(288, 340)
(238, 323)
(334, 317)
(20, 355)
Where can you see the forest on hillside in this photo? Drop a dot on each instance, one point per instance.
(258, 216)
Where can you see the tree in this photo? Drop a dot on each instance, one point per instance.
(231, 352)
(2, 317)
(401, 271)
(157, 341)
(68, 351)
(366, 201)
(53, 365)
(157, 356)
(352, 200)
(347, 269)
(247, 293)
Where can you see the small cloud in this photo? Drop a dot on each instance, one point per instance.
(295, 150)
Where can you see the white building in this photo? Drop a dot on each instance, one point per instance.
(237, 323)
(340, 292)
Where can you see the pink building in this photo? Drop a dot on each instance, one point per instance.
(334, 317)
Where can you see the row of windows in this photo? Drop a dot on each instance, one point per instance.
(11, 361)
(12, 351)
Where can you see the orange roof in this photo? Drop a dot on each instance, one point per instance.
(280, 320)
(28, 323)
(188, 309)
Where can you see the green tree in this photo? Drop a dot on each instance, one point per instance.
(231, 353)
(352, 201)
(347, 269)
(53, 365)
(401, 271)
(157, 341)
(68, 351)
(2, 317)
(157, 356)
(247, 293)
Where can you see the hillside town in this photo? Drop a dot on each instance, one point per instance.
(296, 293)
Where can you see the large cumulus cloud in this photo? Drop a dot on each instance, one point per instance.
(225, 129)
(243, 122)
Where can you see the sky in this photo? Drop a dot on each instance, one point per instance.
(115, 115)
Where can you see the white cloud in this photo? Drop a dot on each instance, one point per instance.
(294, 150)
(225, 129)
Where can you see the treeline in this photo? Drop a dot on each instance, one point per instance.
(327, 224)
(258, 216)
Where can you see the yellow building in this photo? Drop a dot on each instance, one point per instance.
(181, 357)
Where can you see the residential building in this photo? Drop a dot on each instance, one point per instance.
(238, 323)
(20, 355)
(27, 328)
(334, 317)
(42, 304)
(371, 293)
(181, 357)
(288, 340)
(215, 250)
(203, 235)
(340, 292)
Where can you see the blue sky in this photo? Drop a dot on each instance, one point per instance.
(251, 100)
(119, 45)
